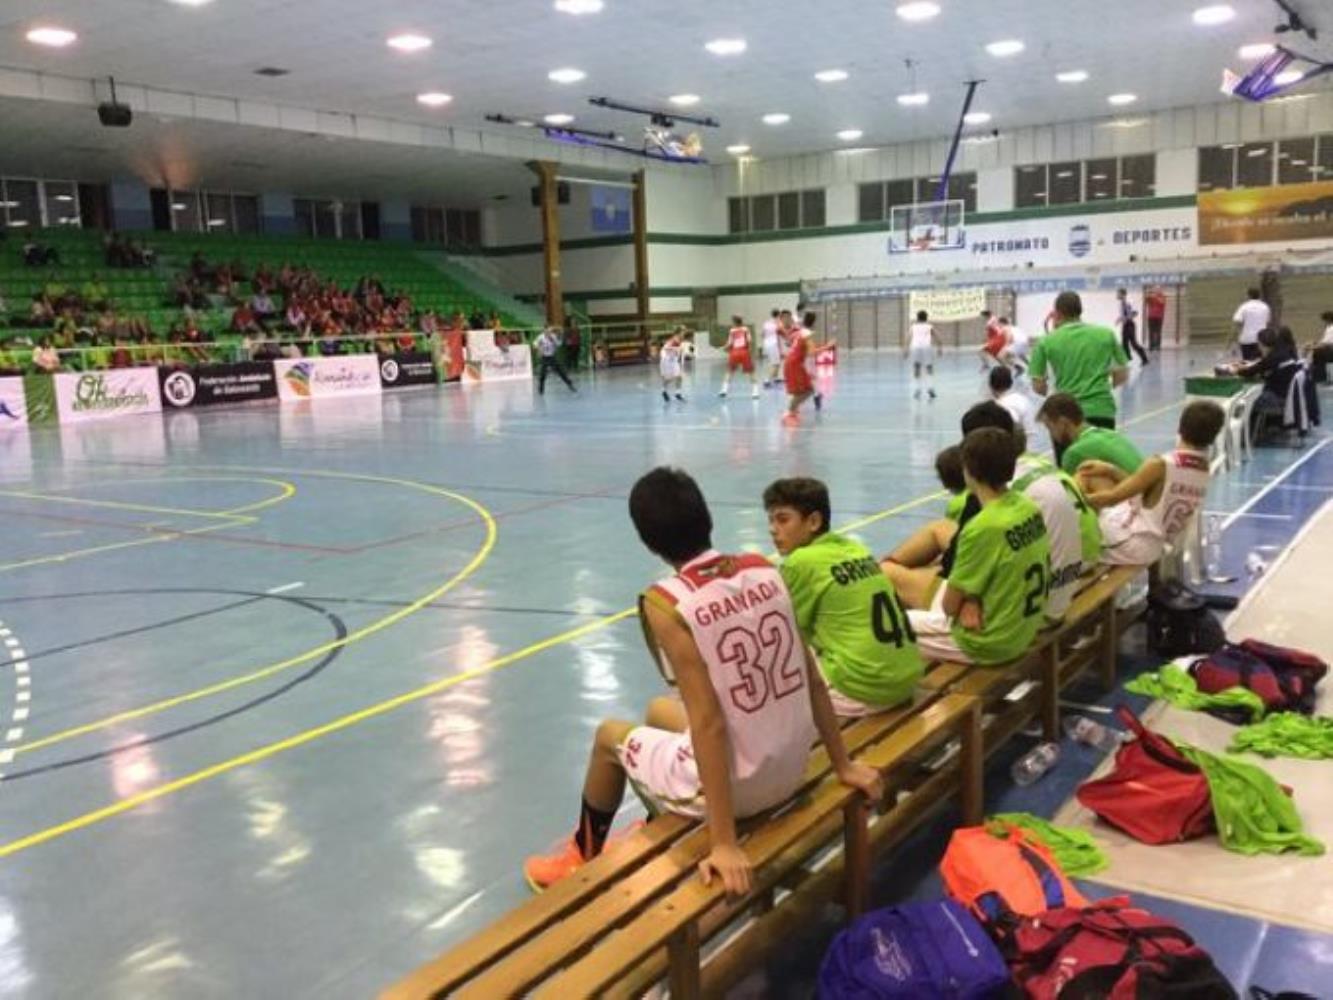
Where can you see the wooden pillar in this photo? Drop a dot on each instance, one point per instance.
(550, 209)
(641, 286)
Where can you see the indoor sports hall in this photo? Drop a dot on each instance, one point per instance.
(337, 342)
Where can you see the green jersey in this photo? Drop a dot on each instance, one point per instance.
(1082, 357)
(954, 511)
(1004, 561)
(847, 610)
(1089, 527)
(1101, 445)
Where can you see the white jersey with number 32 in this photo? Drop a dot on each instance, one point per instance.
(740, 614)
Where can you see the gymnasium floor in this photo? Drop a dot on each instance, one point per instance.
(303, 686)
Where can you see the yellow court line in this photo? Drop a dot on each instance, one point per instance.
(481, 555)
(117, 505)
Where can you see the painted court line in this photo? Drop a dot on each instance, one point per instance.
(22, 696)
(1254, 500)
(286, 587)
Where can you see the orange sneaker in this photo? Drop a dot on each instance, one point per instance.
(543, 871)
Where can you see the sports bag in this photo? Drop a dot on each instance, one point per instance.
(1154, 793)
(1179, 622)
(1000, 873)
(1303, 671)
(920, 951)
(1111, 951)
(1286, 679)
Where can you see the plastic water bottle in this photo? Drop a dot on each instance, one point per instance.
(1081, 729)
(1212, 548)
(1036, 762)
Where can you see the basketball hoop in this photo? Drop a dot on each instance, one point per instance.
(926, 226)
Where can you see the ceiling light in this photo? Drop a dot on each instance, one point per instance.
(433, 99)
(1124, 123)
(1260, 151)
(56, 38)
(179, 206)
(1097, 177)
(831, 75)
(567, 75)
(1289, 77)
(409, 43)
(191, 3)
(918, 11)
(913, 100)
(64, 197)
(1072, 76)
(1064, 175)
(776, 118)
(579, 6)
(850, 134)
(17, 223)
(1008, 47)
(726, 46)
(558, 119)
(684, 100)
(977, 117)
(1217, 14)
(213, 223)
(1256, 51)
(739, 150)
(1120, 100)
(1300, 163)
(9, 204)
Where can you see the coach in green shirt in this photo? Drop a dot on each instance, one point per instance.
(1078, 441)
(1087, 361)
(846, 608)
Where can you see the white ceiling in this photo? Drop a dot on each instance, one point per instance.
(494, 55)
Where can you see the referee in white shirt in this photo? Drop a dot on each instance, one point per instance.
(548, 349)
(1252, 316)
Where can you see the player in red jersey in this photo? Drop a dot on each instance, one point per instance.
(800, 386)
(997, 342)
(740, 355)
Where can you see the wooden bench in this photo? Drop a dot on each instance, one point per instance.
(638, 913)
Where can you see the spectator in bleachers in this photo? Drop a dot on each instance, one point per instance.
(264, 308)
(263, 280)
(120, 353)
(243, 320)
(199, 269)
(296, 320)
(476, 321)
(38, 255)
(94, 293)
(430, 323)
(330, 343)
(41, 312)
(9, 359)
(45, 358)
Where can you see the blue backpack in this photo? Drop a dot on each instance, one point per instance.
(921, 951)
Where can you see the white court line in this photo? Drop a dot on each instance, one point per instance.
(20, 715)
(1245, 509)
(22, 696)
(1266, 517)
(285, 587)
(11, 642)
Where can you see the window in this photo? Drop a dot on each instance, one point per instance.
(217, 213)
(1254, 165)
(963, 187)
(1030, 187)
(62, 203)
(1101, 179)
(1138, 176)
(870, 202)
(738, 215)
(1064, 183)
(1295, 158)
(185, 211)
(762, 217)
(899, 192)
(927, 189)
(1217, 167)
(245, 209)
(349, 220)
(789, 210)
(22, 206)
(327, 219)
(876, 201)
(812, 208)
(1324, 168)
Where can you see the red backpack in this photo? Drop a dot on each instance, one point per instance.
(1154, 793)
(1111, 951)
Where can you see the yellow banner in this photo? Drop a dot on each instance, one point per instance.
(948, 305)
(1266, 215)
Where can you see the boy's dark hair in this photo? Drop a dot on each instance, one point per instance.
(1069, 305)
(1001, 379)
(949, 467)
(1200, 423)
(670, 515)
(805, 496)
(738, 320)
(1254, 293)
(776, 313)
(989, 456)
(922, 316)
(1287, 339)
(1267, 337)
(987, 414)
(808, 320)
(1326, 317)
(985, 314)
(1061, 405)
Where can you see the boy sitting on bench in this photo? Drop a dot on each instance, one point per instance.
(847, 610)
(1141, 513)
(751, 697)
(994, 597)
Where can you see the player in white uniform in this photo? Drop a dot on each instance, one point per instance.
(751, 697)
(772, 343)
(1143, 512)
(922, 342)
(670, 364)
(1020, 345)
(740, 355)
(1075, 546)
(1020, 407)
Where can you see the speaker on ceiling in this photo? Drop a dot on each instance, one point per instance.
(113, 114)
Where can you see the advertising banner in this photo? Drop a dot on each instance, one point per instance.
(13, 404)
(102, 395)
(1267, 214)
(208, 385)
(407, 368)
(327, 378)
(948, 305)
(492, 361)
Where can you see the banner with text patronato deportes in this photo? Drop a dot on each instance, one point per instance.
(102, 395)
(492, 361)
(407, 368)
(13, 404)
(326, 378)
(1267, 214)
(947, 305)
(207, 385)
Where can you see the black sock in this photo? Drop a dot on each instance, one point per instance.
(594, 825)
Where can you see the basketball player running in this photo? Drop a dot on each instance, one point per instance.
(800, 386)
(922, 342)
(997, 342)
(772, 348)
(740, 355)
(671, 367)
(728, 747)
